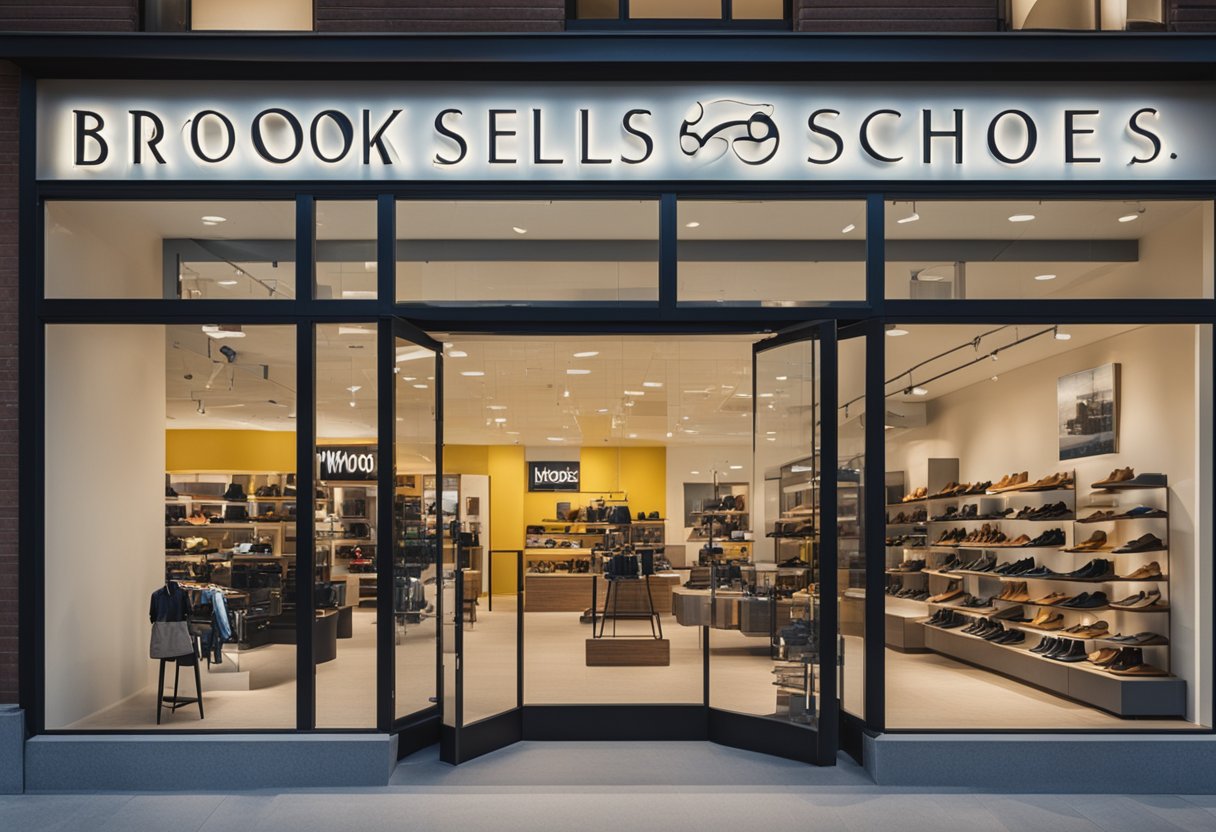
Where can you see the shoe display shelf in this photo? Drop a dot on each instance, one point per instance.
(1160, 696)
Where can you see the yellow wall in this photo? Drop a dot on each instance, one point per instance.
(640, 472)
(225, 451)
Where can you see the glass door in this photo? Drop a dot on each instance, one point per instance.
(777, 608)
(412, 602)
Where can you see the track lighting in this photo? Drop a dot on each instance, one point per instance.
(913, 217)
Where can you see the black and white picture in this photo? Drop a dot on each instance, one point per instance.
(1088, 404)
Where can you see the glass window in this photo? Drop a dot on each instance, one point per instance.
(416, 528)
(850, 519)
(771, 253)
(346, 250)
(679, 10)
(1036, 249)
(1042, 497)
(197, 422)
(264, 15)
(346, 534)
(485, 253)
(1085, 15)
(171, 250)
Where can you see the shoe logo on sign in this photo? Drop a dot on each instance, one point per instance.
(711, 129)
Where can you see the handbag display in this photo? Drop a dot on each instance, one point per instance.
(170, 640)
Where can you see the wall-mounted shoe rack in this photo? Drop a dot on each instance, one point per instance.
(945, 572)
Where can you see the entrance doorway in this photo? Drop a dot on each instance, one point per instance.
(636, 541)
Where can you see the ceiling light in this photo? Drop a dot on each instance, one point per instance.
(736, 467)
(770, 433)
(496, 407)
(1044, 277)
(783, 378)
(693, 224)
(895, 332)
(670, 434)
(1021, 218)
(588, 354)
(458, 354)
(577, 372)
(472, 373)
(500, 420)
(226, 282)
(770, 439)
(652, 384)
(635, 393)
(743, 395)
(512, 433)
(419, 386)
(214, 220)
(685, 418)
(223, 331)
(554, 438)
(602, 410)
(848, 228)
(355, 330)
(629, 403)
(519, 230)
(1129, 217)
(359, 294)
(913, 217)
(414, 354)
(919, 391)
(352, 402)
(633, 436)
(888, 427)
(566, 393)
(929, 277)
(994, 378)
(1063, 336)
(695, 473)
(766, 395)
(369, 265)
(354, 388)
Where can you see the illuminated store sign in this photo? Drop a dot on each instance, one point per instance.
(347, 462)
(458, 131)
(553, 476)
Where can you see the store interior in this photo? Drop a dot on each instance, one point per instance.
(171, 448)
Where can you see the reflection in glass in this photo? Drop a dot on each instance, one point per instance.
(345, 508)
(346, 250)
(773, 253)
(850, 523)
(172, 250)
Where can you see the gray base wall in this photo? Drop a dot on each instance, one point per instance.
(12, 742)
(1184, 764)
(157, 762)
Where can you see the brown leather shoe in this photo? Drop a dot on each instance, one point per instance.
(1104, 656)
(1100, 516)
(1015, 481)
(1117, 475)
(1051, 599)
(1148, 572)
(1095, 543)
(1020, 540)
(1099, 629)
(1001, 483)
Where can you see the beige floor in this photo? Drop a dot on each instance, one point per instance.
(924, 690)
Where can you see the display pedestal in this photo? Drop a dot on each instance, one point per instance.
(628, 652)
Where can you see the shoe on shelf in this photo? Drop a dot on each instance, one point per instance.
(1142, 481)
(1141, 512)
(1116, 476)
(1087, 601)
(1047, 620)
(1148, 572)
(1140, 601)
(1045, 643)
(1143, 543)
(1015, 614)
(1103, 656)
(1100, 516)
(1097, 569)
(1013, 481)
(1143, 639)
(1096, 542)
(1098, 629)
(953, 590)
(1051, 599)
(1076, 653)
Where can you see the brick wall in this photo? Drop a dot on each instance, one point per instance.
(70, 16)
(896, 15)
(1193, 15)
(440, 15)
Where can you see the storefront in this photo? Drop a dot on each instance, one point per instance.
(604, 392)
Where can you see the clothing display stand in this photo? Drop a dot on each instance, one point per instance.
(175, 701)
(612, 599)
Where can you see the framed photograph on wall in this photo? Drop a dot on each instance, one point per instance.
(1088, 405)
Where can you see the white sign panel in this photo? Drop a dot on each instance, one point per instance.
(459, 131)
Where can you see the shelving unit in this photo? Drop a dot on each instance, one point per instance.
(1146, 696)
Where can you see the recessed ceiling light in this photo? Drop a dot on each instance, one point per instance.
(635, 392)
(226, 282)
(413, 354)
(913, 217)
(629, 403)
(554, 438)
(519, 230)
(652, 384)
(496, 407)
(512, 433)
(602, 410)
(1044, 277)
(500, 420)
(588, 354)
(736, 467)
(693, 224)
(420, 386)
(214, 220)
(458, 354)
(848, 228)
(743, 395)
(670, 434)
(578, 372)
(766, 395)
(633, 436)
(1129, 217)
(472, 373)
(770, 433)
(896, 332)
(685, 418)
(783, 378)
(994, 378)
(919, 391)
(695, 473)
(369, 265)
(355, 388)
(770, 439)
(888, 427)
(1063, 336)
(1021, 218)
(359, 294)
(409, 378)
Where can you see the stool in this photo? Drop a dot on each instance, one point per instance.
(176, 701)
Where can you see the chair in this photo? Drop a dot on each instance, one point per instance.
(176, 701)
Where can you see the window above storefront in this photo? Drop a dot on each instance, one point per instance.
(227, 16)
(680, 13)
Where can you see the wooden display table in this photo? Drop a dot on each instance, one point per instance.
(564, 592)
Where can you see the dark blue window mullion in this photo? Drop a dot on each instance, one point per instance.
(306, 689)
(668, 253)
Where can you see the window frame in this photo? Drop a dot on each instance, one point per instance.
(725, 21)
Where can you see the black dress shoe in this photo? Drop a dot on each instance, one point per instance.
(1061, 648)
(1087, 601)
(954, 620)
(1045, 644)
(1129, 657)
(994, 631)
